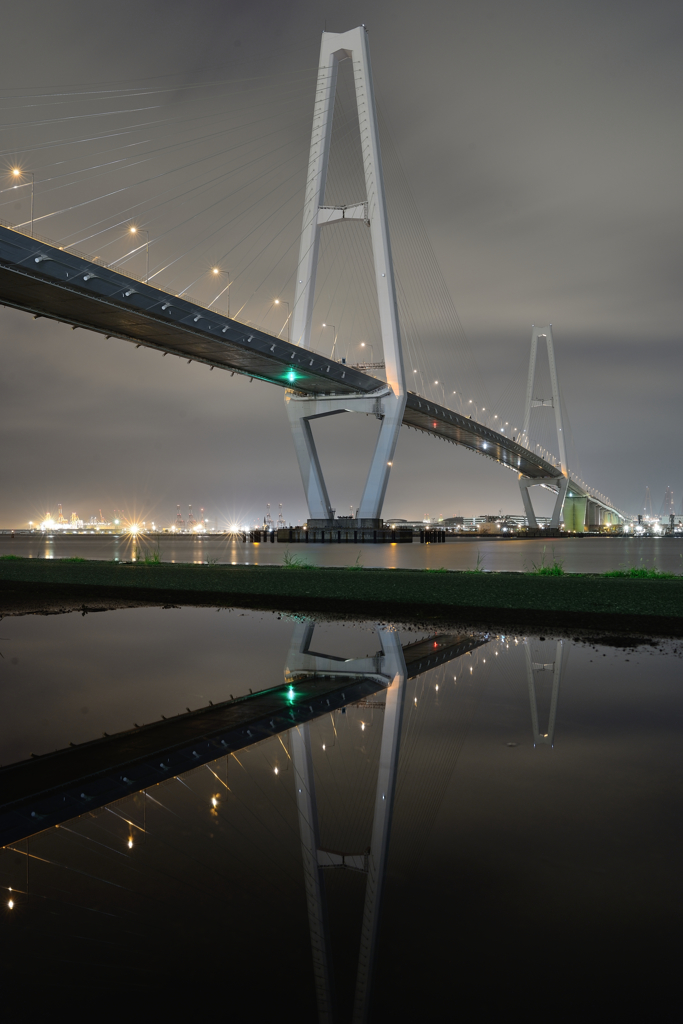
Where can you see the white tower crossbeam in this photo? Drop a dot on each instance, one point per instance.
(388, 402)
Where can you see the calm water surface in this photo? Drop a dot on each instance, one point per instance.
(579, 554)
(528, 855)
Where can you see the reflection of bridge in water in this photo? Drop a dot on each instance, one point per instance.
(50, 790)
(48, 281)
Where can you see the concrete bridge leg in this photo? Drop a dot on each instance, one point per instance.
(389, 411)
(574, 513)
(557, 484)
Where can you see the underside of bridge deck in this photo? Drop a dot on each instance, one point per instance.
(49, 282)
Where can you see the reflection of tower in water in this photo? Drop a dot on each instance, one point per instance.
(391, 667)
(533, 667)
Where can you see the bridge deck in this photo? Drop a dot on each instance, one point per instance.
(40, 278)
(47, 281)
(452, 426)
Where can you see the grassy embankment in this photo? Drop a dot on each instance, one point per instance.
(635, 598)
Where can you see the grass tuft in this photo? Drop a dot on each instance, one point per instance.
(11, 558)
(554, 568)
(75, 558)
(479, 567)
(356, 565)
(291, 561)
(635, 572)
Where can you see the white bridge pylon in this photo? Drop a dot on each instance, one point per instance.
(388, 402)
(557, 484)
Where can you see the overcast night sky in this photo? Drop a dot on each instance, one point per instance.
(540, 143)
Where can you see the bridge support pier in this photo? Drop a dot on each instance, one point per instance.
(574, 513)
(389, 411)
(552, 483)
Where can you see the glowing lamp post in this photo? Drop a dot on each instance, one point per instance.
(18, 173)
(277, 302)
(334, 343)
(215, 271)
(135, 231)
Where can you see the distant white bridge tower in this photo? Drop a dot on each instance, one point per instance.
(558, 485)
(388, 402)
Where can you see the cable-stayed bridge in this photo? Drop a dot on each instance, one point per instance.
(50, 281)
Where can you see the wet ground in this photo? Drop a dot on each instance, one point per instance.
(484, 835)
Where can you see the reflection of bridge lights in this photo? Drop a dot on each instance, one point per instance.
(362, 726)
(214, 802)
(130, 844)
(10, 904)
(276, 770)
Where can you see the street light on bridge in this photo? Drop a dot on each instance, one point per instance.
(334, 343)
(277, 302)
(18, 173)
(216, 271)
(134, 231)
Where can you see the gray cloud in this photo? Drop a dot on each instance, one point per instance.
(542, 146)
